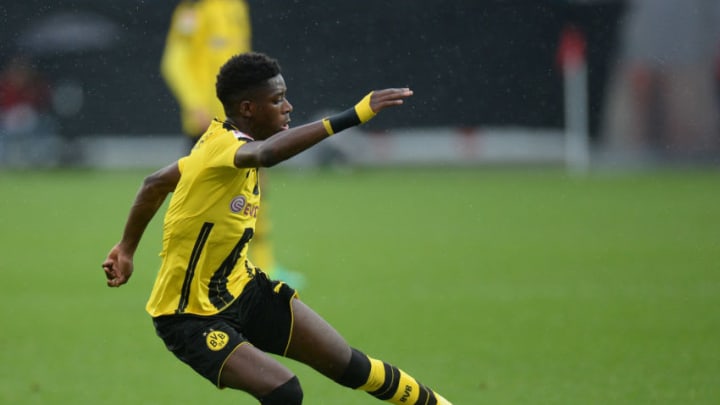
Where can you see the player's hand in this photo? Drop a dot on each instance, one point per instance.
(118, 267)
(366, 109)
(381, 99)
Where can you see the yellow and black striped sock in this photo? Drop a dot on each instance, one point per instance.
(387, 382)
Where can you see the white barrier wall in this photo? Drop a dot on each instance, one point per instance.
(421, 146)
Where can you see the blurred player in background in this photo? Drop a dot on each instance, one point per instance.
(203, 35)
(212, 307)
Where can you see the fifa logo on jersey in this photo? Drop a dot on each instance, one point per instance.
(239, 205)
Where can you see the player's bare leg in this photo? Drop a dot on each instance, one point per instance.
(317, 344)
(251, 370)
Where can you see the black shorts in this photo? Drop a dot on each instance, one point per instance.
(261, 316)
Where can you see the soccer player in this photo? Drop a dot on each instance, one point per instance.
(213, 308)
(203, 35)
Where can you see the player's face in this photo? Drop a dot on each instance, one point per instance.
(272, 109)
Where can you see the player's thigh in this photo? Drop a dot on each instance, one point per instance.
(254, 371)
(316, 343)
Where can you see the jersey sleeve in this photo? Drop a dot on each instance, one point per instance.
(221, 150)
(181, 163)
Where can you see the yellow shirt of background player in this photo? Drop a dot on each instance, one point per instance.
(203, 35)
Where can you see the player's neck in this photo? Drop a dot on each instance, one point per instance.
(230, 123)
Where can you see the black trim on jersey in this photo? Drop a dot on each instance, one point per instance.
(256, 189)
(190, 272)
(229, 126)
(218, 293)
(238, 133)
(250, 270)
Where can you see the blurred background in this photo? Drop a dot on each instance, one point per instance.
(618, 82)
(455, 240)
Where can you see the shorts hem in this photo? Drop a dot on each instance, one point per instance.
(292, 323)
(222, 366)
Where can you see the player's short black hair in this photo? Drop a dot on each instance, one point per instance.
(243, 73)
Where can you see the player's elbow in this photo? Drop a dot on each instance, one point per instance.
(268, 158)
(163, 181)
(260, 154)
(152, 184)
(268, 155)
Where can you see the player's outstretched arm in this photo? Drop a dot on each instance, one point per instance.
(288, 143)
(118, 265)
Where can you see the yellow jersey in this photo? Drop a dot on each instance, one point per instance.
(203, 35)
(207, 228)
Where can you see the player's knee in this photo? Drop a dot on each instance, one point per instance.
(289, 393)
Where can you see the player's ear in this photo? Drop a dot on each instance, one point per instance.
(246, 108)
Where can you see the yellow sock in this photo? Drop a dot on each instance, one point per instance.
(394, 385)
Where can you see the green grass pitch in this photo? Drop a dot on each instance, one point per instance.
(492, 286)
